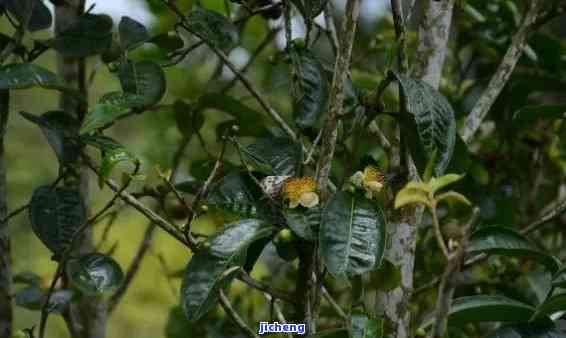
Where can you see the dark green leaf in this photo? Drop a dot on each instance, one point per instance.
(213, 27)
(30, 298)
(486, 308)
(528, 115)
(132, 33)
(235, 192)
(168, 43)
(91, 34)
(188, 119)
(143, 78)
(434, 119)
(40, 17)
(101, 142)
(528, 330)
(365, 327)
(310, 9)
(59, 129)
(559, 279)
(205, 273)
(27, 75)
(310, 88)
(55, 215)
(111, 107)
(552, 305)
(275, 156)
(304, 222)
(352, 235)
(504, 241)
(94, 273)
(27, 277)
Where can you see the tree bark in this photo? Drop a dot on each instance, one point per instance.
(434, 33)
(86, 318)
(5, 257)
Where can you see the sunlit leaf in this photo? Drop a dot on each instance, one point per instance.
(408, 196)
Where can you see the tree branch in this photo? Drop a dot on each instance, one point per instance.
(503, 73)
(234, 315)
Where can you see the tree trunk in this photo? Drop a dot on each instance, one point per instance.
(86, 318)
(5, 258)
(434, 32)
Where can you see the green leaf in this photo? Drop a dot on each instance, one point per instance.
(310, 88)
(188, 120)
(437, 183)
(111, 159)
(528, 330)
(352, 235)
(205, 272)
(177, 325)
(304, 222)
(132, 33)
(552, 305)
(526, 116)
(111, 107)
(365, 327)
(40, 17)
(559, 279)
(91, 34)
(278, 156)
(453, 196)
(310, 9)
(169, 43)
(504, 241)
(55, 215)
(235, 192)
(486, 308)
(409, 195)
(101, 142)
(27, 277)
(30, 298)
(27, 75)
(434, 118)
(143, 78)
(59, 129)
(94, 274)
(213, 27)
(250, 122)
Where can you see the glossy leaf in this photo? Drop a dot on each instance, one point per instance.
(27, 75)
(132, 33)
(91, 34)
(304, 222)
(59, 129)
(111, 107)
(310, 88)
(434, 118)
(486, 308)
(528, 330)
(506, 242)
(352, 235)
(275, 156)
(101, 142)
(213, 28)
(204, 275)
(55, 215)
(94, 274)
(552, 305)
(235, 192)
(144, 79)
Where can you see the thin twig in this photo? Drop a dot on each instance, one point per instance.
(234, 315)
(503, 73)
(277, 310)
(15, 213)
(335, 306)
(246, 278)
(448, 281)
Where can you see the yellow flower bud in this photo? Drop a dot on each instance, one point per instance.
(300, 191)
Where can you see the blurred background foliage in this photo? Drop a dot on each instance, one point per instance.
(515, 169)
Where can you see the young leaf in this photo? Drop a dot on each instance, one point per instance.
(132, 33)
(143, 78)
(453, 196)
(213, 28)
(437, 183)
(504, 241)
(275, 156)
(111, 159)
(205, 273)
(55, 215)
(310, 87)
(94, 274)
(434, 119)
(408, 195)
(486, 308)
(59, 129)
(111, 107)
(352, 235)
(91, 34)
(27, 75)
